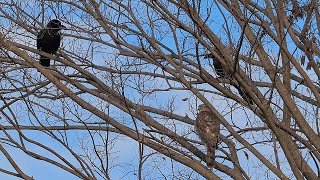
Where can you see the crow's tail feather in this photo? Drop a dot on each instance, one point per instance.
(44, 61)
(245, 96)
(243, 93)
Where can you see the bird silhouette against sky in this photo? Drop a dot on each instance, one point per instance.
(223, 73)
(48, 40)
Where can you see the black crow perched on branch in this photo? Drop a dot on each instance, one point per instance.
(218, 67)
(223, 73)
(48, 40)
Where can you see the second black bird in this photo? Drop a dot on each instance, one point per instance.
(217, 65)
(222, 73)
(48, 40)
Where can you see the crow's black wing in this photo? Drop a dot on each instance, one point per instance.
(219, 68)
(40, 39)
(243, 94)
(48, 41)
(56, 38)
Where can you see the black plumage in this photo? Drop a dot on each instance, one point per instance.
(48, 40)
(243, 94)
(223, 73)
(218, 67)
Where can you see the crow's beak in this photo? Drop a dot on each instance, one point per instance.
(63, 27)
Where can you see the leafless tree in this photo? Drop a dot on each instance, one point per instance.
(134, 72)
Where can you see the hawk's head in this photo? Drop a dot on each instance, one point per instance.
(203, 107)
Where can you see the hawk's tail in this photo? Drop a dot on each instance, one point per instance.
(210, 157)
(44, 61)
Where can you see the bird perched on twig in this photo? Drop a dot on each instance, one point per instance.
(223, 73)
(218, 67)
(208, 129)
(48, 40)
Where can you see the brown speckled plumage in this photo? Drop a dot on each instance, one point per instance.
(208, 128)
